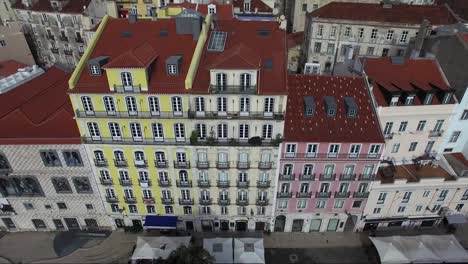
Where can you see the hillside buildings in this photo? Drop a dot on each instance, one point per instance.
(13, 46)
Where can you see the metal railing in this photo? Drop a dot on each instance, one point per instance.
(347, 177)
(134, 88)
(160, 164)
(186, 201)
(100, 163)
(222, 184)
(181, 164)
(327, 177)
(327, 156)
(145, 183)
(141, 164)
(287, 177)
(130, 199)
(366, 177)
(361, 194)
(233, 89)
(167, 201)
(224, 202)
(203, 164)
(435, 133)
(164, 183)
(148, 200)
(242, 165)
(306, 177)
(204, 183)
(106, 181)
(125, 182)
(170, 142)
(203, 201)
(236, 115)
(242, 202)
(261, 202)
(184, 183)
(342, 194)
(120, 163)
(263, 184)
(303, 194)
(112, 199)
(222, 165)
(243, 184)
(127, 114)
(284, 195)
(323, 194)
(265, 165)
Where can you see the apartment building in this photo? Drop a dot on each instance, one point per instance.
(249, 8)
(60, 30)
(46, 181)
(340, 31)
(416, 195)
(330, 153)
(184, 122)
(414, 103)
(13, 46)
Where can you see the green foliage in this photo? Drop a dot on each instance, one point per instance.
(277, 140)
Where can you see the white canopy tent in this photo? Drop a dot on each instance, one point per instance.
(157, 247)
(419, 249)
(220, 248)
(249, 250)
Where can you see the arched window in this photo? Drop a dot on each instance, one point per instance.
(127, 80)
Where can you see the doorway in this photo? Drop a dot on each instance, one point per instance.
(189, 225)
(315, 225)
(207, 226)
(332, 224)
(241, 226)
(137, 225)
(297, 225)
(280, 222)
(259, 226)
(119, 223)
(224, 226)
(72, 223)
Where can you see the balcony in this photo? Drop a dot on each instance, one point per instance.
(303, 194)
(263, 184)
(172, 142)
(242, 202)
(287, 177)
(126, 114)
(181, 164)
(434, 133)
(236, 115)
(243, 165)
(141, 163)
(145, 183)
(120, 163)
(284, 195)
(243, 184)
(125, 182)
(135, 88)
(205, 201)
(164, 183)
(203, 164)
(54, 50)
(222, 165)
(327, 177)
(322, 194)
(361, 194)
(347, 177)
(342, 194)
(63, 38)
(261, 202)
(184, 183)
(100, 163)
(186, 201)
(326, 156)
(265, 165)
(306, 177)
(106, 181)
(222, 184)
(224, 202)
(232, 89)
(130, 200)
(160, 164)
(148, 200)
(388, 136)
(167, 201)
(204, 183)
(366, 177)
(112, 199)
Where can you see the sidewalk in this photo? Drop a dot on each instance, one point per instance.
(26, 247)
(313, 240)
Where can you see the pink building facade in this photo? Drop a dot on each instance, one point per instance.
(329, 156)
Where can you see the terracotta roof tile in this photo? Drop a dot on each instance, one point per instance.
(320, 127)
(237, 57)
(414, 76)
(10, 67)
(139, 57)
(398, 13)
(39, 112)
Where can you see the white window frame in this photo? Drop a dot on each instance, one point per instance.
(154, 106)
(87, 105)
(177, 105)
(115, 132)
(136, 131)
(158, 131)
(179, 132)
(109, 105)
(94, 132)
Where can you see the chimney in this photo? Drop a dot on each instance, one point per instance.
(419, 40)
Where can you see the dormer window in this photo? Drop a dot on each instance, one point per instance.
(212, 9)
(351, 106)
(246, 6)
(127, 80)
(428, 99)
(330, 105)
(173, 64)
(245, 80)
(447, 98)
(95, 65)
(394, 101)
(409, 100)
(331, 112)
(95, 70)
(171, 69)
(309, 105)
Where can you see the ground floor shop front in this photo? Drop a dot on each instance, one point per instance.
(314, 222)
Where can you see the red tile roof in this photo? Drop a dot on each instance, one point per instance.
(398, 13)
(245, 33)
(414, 76)
(238, 57)
(39, 112)
(138, 57)
(255, 6)
(10, 67)
(146, 32)
(321, 128)
(223, 11)
(73, 6)
(295, 39)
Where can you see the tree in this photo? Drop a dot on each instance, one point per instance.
(189, 255)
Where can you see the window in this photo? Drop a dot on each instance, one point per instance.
(320, 30)
(459, 207)
(269, 105)
(320, 204)
(348, 170)
(329, 169)
(406, 197)
(426, 193)
(401, 209)
(447, 98)
(308, 169)
(361, 33)
(312, 150)
(179, 132)
(317, 47)
(245, 80)
(201, 131)
(464, 116)
(312, 68)
(330, 48)
(354, 150)
(135, 130)
(419, 208)
(301, 204)
(243, 131)
(267, 131)
(38, 223)
(28, 206)
(429, 146)
(428, 99)
(403, 126)
(199, 104)
(404, 36)
(385, 52)
(72, 158)
(357, 204)
(177, 105)
(61, 206)
(409, 100)
(94, 131)
(382, 197)
(153, 103)
(370, 51)
(374, 151)
(89, 206)
(150, 209)
(395, 148)
(454, 137)
(244, 105)
(413, 146)
(82, 185)
(339, 203)
(362, 188)
(222, 131)
(290, 150)
(465, 195)
(304, 7)
(436, 207)
(109, 105)
(442, 195)
(187, 210)
(87, 104)
(222, 104)
(171, 69)
(333, 150)
(158, 134)
(127, 80)
(333, 31)
(377, 210)
(50, 158)
(61, 185)
(388, 128)
(2, 43)
(115, 131)
(421, 125)
(390, 34)
(324, 187)
(374, 33)
(221, 81)
(131, 105)
(285, 188)
(132, 208)
(95, 70)
(283, 204)
(347, 32)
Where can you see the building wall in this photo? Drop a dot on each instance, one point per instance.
(7, 15)
(311, 212)
(332, 50)
(16, 47)
(413, 115)
(458, 124)
(25, 160)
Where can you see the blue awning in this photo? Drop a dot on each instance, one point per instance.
(160, 222)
